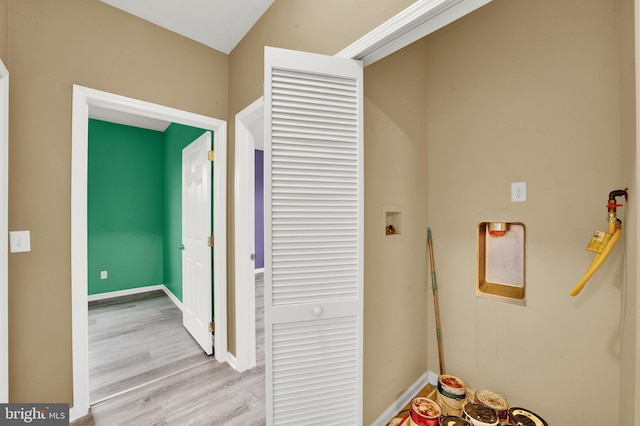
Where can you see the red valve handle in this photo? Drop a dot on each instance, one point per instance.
(613, 206)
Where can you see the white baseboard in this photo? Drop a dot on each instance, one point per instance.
(405, 398)
(137, 290)
(178, 303)
(433, 377)
(128, 292)
(73, 415)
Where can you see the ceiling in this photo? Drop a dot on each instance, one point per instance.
(219, 24)
(119, 117)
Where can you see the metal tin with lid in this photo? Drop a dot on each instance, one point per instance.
(522, 417)
(453, 421)
(495, 401)
(425, 411)
(452, 392)
(479, 415)
(451, 386)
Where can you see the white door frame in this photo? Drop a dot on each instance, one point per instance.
(418, 20)
(4, 232)
(83, 99)
(248, 125)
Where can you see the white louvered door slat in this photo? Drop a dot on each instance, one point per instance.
(313, 239)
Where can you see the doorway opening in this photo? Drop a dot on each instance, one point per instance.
(84, 101)
(143, 324)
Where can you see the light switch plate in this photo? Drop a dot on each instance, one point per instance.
(19, 241)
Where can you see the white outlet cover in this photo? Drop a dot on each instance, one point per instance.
(518, 192)
(19, 241)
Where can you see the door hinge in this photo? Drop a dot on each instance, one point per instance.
(212, 155)
(211, 241)
(212, 327)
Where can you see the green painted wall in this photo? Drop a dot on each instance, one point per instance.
(135, 229)
(125, 207)
(176, 137)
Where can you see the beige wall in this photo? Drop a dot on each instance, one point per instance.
(629, 358)
(396, 313)
(531, 91)
(50, 47)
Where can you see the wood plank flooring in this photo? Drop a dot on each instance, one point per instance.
(134, 340)
(196, 390)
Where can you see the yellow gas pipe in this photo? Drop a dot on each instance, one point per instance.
(613, 233)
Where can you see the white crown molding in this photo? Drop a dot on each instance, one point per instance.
(413, 23)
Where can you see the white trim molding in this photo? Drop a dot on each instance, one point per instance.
(418, 20)
(83, 100)
(137, 290)
(127, 292)
(4, 232)
(248, 122)
(231, 360)
(173, 297)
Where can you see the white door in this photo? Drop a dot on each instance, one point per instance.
(196, 230)
(313, 239)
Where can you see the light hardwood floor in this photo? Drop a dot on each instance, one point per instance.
(134, 340)
(177, 387)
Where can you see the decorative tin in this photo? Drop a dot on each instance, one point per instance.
(451, 387)
(425, 412)
(479, 415)
(453, 421)
(521, 417)
(495, 401)
(452, 392)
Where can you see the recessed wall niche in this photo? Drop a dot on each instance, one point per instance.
(393, 221)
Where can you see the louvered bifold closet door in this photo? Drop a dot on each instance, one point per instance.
(313, 239)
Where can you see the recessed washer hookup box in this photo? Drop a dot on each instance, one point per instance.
(500, 261)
